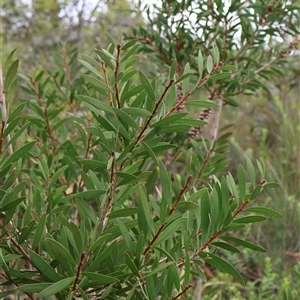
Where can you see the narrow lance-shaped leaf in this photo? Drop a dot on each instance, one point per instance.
(216, 54)
(205, 217)
(200, 64)
(47, 271)
(265, 211)
(19, 153)
(209, 64)
(169, 231)
(244, 243)
(147, 86)
(251, 171)
(186, 81)
(56, 287)
(224, 266)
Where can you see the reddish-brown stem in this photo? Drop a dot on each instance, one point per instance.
(154, 238)
(50, 132)
(207, 243)
(180, 102)
(172, 209)
(207, 158)
(201, 81)
(180, 195)
(59, 88)
(241, 208)
(140, 136)
(181, 293)
(113, 184)
(116, 74)
(82, 257)
(156, 50)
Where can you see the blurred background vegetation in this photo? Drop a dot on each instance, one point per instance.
(267, 124)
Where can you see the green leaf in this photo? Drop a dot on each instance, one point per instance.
(46, 270)
(86, 210)
(34, 287)
(129, 44)
(224, 266)
(126, 236)
(10, 75)
(271, 185)
(126, 118)
(111, 39)
(200, 64)
(147, 86)
(158, 269)
(226, 246)
(17, 134)
(122, 213)
(130, 53)
(99, 242)
(169, 119)
(100, 278)
(18, 154)
(201, 104)
(244, 243)
(249, 219)
(166, 183)
(151, 153)
(137, 112)
(216, 54)
(39, 231)
(144, 205)
(265, 211)
(13, 203)
(172, 69)
(60, 252)
(256, 192)
(169, 231)
(98, 85)
(8, 60)
(219, 76)
(90, 194)
(56, 287)
(90, 67)
(183, 77)
(56, 176)
(209, 64)
(131, 265)
(186, 81)
(242, 182)
(197, 195)
(105, 58)
(261, 167)
(205, 217)
(228, 68)
(16, 113)
(251, 171)
(96, 103)
(186, 205)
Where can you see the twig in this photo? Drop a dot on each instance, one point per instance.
(181, 293)
(172, 209)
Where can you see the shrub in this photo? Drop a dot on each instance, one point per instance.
(107, 190)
